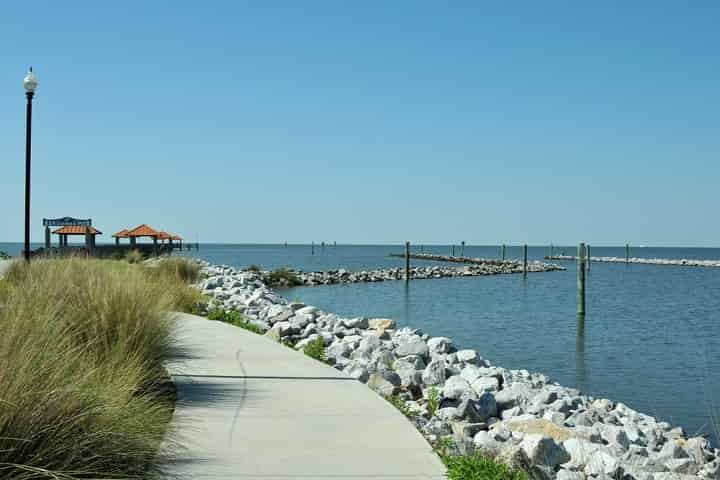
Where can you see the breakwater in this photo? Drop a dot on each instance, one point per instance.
(477, 261)
(420, 273)
(645, 261)
(450, 391)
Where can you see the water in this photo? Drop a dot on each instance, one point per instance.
(650, 338)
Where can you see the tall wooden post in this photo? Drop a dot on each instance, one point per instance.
(47, 240)
(525, 260)
(587, 256)
(453, 250)
(503, 252)
(422, 248)
(462, 248)
(407, 261)
(312, 248)
(551, 251)
(581, 280)
(627, 253)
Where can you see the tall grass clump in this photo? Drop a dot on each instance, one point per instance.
(134, 256)
(477, 466)
(282, 277)
(82, 347)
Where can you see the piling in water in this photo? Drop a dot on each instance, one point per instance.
(627, 253)
(525, 260)
(407, 261)
(503, 252)
(587, 256)
(581, 280)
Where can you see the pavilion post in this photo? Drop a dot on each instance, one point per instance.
(155, 246)
(47, 239)
(117, 241)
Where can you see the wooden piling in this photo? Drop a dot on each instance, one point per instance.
(422, 248)
(462, 248)
(587, 257)
(551, 252)
(581, 280)
(312, 248)
(407, 261)
(453, 250)
(627, 253)
(503, 252)
(525, 260)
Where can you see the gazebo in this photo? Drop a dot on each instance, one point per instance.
(143, 230)
(121, 234)
(89, 232)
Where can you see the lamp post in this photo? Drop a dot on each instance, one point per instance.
(30, 83)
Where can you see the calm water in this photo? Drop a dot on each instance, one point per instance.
(651, 337)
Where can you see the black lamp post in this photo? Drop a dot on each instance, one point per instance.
(30, 83)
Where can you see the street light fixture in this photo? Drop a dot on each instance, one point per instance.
(30, 84)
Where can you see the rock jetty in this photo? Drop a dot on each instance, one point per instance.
(452, 392)
(456, 259)
(420, 273)
(683, 262)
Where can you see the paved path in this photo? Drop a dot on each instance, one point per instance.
(251, 408)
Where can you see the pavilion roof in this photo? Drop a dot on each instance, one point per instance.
(143, 230)
(177, 237)
(121, 234)
(77, 230)
(163, 235)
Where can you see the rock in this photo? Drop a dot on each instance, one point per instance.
(682, 465)
(615, 436)
(411, 345)
(580, 451)
(511, 412)
(439, 345)
(602, 463)
(434, 373)
(528, 424)
(542, 450)
(381, 360)
(274, 333)
(385, 383)
(467, 356)
(513, 395)
(671, 450)
(455, 388)
(309, 310)
(558, 418)
(485, 441)
(466, 430)
(359, 322)
(381, 324)
(485, 384)
(563, 474)
(471, 373)
(358, 370)
(338, 349)
(416, 362)
(369, 343)
(486, 406)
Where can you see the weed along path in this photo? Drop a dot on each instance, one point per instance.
(248, 407)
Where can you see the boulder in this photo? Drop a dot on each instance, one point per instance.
(484, 384)
(357, 369)
(434, 373)
(385, 383)
(381, 324)
(455, 388)
(411, 345)
(274, 333)
(580, 451)
(359, 322)
(439, 345)
(603, 463)
(542, 450)
(467, 356)
(486, 441)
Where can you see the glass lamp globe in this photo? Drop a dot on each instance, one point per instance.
(30, 82)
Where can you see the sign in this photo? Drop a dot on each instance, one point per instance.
(66, 222)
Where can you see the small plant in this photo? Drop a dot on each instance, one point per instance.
(117, 255)
(134, 256)
(400, 404)
(4, 255)
(282, 277)
(233, 317)
(433, 401)
(254, 268)
(444, 446)
(316, 349)
(477, 466)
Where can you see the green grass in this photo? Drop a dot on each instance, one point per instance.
(477, 466)
(134, 256)
(82, 345)
(233, 317)
(433, 401)
(282, 277)
(400, 404)
(316, 349)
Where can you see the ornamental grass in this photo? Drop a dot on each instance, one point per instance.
(82, 346)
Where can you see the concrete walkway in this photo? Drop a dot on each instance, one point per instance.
(251, 408)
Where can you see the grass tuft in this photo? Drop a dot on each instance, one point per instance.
(477, 466)
(316, 349)
(400, 404)
(83, 342)
(134, 256)
(433, 401)
(233, 317)
(282, 277)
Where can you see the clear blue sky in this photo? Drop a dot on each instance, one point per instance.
(368, 121)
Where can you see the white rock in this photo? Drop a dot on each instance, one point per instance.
(455, 388)
(439, 345)
(542, 450)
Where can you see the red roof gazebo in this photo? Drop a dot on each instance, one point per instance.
(89, 232)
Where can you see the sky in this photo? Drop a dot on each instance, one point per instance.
(367, 122)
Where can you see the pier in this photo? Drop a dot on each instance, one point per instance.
(682, 262)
